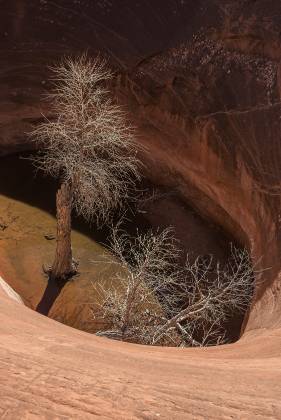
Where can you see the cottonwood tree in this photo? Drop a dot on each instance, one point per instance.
(153, 301)
(88, 146)
(206, 294)
(144, 271)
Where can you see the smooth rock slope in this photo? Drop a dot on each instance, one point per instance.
(51, 371)
(201, 81)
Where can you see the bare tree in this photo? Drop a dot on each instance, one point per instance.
(130, 306)
(153, 301)
(89, 146)
(207, 293)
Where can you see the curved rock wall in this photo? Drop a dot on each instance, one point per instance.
(202, 83)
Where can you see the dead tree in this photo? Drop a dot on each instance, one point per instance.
(205, 295)
(88, 146)
(144, 271)
(154, 301)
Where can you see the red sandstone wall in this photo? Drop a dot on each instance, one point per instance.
(202, 81)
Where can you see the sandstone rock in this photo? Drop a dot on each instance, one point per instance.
(48, 370)
(202, 83)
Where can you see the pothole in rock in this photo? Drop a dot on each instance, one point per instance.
(27, 237)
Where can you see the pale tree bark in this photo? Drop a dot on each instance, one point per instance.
(63, 267)
(89, 142)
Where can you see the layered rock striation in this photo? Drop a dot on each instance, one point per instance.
(201, 81)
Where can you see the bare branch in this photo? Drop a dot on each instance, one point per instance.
(153, 301)
(89, 143)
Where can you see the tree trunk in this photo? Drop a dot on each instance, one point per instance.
(63, 268)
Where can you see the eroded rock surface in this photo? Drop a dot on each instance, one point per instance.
(48, 370)
(201, 81)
